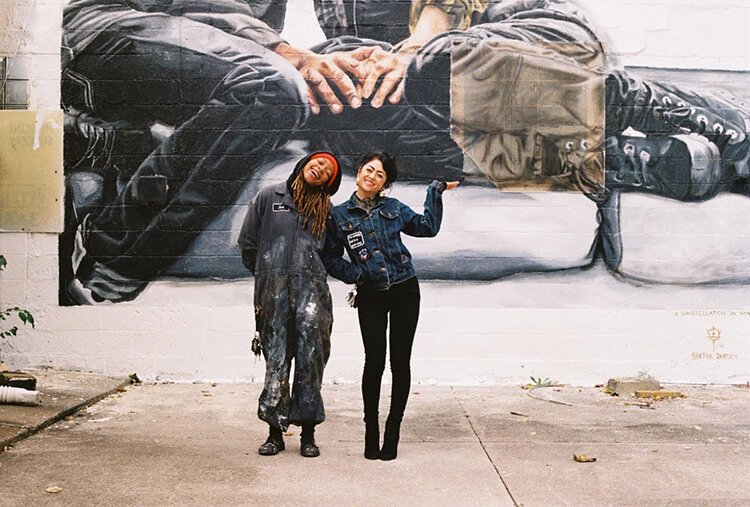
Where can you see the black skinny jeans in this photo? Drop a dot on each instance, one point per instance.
(402, 302)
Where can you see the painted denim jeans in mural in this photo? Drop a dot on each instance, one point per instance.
(294, 319)
(167, 117)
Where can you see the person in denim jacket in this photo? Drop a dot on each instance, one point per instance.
(369, 226)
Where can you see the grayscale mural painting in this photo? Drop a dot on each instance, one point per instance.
(178, 111)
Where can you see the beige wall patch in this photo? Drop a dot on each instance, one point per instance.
(31, 179)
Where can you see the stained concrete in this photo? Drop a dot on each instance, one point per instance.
(196, 444)
(62, 394)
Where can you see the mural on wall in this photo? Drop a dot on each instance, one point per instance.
(177, 110)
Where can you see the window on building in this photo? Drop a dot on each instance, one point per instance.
(14, 83)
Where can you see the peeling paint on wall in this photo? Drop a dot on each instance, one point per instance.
(31, 180)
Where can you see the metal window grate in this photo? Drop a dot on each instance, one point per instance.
(14, 84)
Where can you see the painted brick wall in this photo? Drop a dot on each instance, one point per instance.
(576, 326)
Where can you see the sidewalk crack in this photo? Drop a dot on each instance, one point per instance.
(484, 448)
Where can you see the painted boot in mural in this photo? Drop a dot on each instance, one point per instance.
(92, 282)
(96, 154)
(682, 166)
(658, 109)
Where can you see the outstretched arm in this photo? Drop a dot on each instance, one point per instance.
(427, 224)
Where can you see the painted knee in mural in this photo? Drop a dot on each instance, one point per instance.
(527, 102)
(499, 10)
(203, 166)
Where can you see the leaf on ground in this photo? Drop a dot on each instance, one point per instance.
(582, 458)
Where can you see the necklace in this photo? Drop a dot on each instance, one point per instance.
(368, 203)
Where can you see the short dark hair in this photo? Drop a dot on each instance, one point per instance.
(388, 161)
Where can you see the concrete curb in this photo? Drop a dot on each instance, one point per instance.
(44, 420)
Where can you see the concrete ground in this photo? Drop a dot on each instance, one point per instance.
(196, 444)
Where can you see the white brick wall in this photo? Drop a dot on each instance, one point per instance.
(576, 327)
(689, 34)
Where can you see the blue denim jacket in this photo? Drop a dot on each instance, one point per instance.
(373, 239)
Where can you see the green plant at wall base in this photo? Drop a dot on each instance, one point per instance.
(539, 382)
(23, 315)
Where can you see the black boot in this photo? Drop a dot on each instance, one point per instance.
(664, 109)
(372, 439)
(307, 448)
(274, 444)
(104, 147)
(97, 153)
(390, 440)
(681, 166)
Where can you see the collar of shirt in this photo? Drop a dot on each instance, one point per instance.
(356, 202)
(282, 189)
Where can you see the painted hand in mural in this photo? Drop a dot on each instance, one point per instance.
(323, 73)
(391, 67)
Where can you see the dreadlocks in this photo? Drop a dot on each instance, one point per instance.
(313, 204)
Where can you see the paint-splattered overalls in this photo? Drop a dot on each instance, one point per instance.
(293, 309)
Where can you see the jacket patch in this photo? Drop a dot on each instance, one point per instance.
(280, 206)
(355, 240)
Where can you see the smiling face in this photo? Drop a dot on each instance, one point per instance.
(371, 178)
(318, 171)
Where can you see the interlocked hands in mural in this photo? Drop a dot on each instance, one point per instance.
(378, 74)
(322, 71)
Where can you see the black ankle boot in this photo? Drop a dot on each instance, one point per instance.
(653, 108)
(683, 167)
(372, 440)
(274, 444)
(390, 441)
(308, 448)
